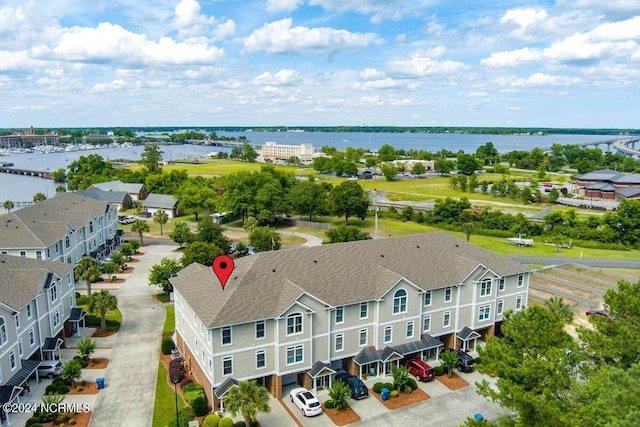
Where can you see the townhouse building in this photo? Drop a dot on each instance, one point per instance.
(64, 228)
(37, 313)
(299, 316)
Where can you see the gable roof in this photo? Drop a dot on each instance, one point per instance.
(610, 176)
(164, 201)
(21, 279)
(43, 223)
(628, 191)
(338, 274)
(106, 196)
(117, 185)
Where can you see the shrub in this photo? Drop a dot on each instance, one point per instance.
(199, 405)
(79, 388)
(211, 420)
(388, 386)
(191, 386)
(62, 389)
(394, 393)
(32, 421)
(225, 422)
(57, 380)
(72, 422)
(438, 371)
(191, 396)
(240, 424)
(176, 370)
(167, 346)
(412, 383)
(408, 389)
(377, 387)
(51, 389)
(81, 361)
(184, 416)
(184, 382)
(329, 404)
(36, 425)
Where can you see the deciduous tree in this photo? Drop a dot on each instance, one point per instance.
(160, 274)
(349, 199)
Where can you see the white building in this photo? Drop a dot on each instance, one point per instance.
(273, 151)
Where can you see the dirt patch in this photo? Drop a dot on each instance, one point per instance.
(90, 387)
(551, 284)
(403, 399)
(80, 419)
(134, 260)
(546, 295)
(600, 282)
(98, 363)
(343, 416)
(101, 334)
(127, 270)
(454, 383)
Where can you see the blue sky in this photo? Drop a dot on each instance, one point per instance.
(78, 63)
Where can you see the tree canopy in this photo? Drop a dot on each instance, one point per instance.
(349, 199)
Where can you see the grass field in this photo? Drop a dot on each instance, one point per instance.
(170, 321)
(114, 318)
(222, 167)
(164, 408)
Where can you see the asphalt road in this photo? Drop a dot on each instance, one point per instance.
(601, 263)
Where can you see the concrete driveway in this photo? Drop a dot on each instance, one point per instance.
(130, 378)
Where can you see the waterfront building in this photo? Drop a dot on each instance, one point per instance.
(274, 151)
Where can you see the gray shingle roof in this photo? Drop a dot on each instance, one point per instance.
(42, 224)
(118, 185)
(21, 279)
(105, 196)
(426, 342)
(628, 191)
(338, 274)
(164, 201)
(610, 176)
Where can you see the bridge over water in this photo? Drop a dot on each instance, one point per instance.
(28, 172)
(626, 146)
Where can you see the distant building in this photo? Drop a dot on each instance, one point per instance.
(166, 202)
(100, 138)
(273, 151)
(27, 139)
(121, 200)
(135, 190)
(607, 184)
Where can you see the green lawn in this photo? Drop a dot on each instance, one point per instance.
(170, 321)
(114, 319)
(221, 167)
(164, 408)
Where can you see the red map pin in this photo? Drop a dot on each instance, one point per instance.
(223, 267)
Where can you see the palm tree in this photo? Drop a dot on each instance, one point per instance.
(468, 227)
(449, 361)
(160, 217)
(247, 399)
(86, 347)
(562, 309)
(8, 205)
(39, 197)
(102, 302)
(88, 270)
(140, 226)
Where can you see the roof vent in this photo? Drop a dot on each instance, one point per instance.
(381, 255)
(273, 271)
(315, 261)
(418, 246)
(235, 277)
(457, 245)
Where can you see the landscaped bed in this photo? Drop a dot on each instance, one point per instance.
(342, 416)
(97, 363)
(403, 399)
(456, 382)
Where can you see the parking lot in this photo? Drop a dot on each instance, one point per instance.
(444, 407)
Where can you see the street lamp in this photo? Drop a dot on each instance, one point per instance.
(175, 380)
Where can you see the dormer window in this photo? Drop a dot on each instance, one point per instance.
(400, 301)
(294, 324)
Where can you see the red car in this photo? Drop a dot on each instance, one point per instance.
(419, 369)
(603, 313)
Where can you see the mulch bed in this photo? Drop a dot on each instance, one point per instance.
(97, 363)
(81, 419)
(453, 383)
(90, 387)
(403, 399)
(101, 334)
(342, 416)
(127, 270)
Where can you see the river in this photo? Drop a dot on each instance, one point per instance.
(22, 188)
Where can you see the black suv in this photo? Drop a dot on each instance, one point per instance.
(358, 389)
(465, 361)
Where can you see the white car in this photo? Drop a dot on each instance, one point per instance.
(127, 220)
(306, 401)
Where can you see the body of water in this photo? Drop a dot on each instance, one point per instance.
(19, 188)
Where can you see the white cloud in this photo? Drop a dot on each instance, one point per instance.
(540, 79)
(187, 13)
(281, 78)
(109, 87)
(420, 64)
(282, 5)
(371, 74)
(112, 43)
(523, 17)
(280, 37)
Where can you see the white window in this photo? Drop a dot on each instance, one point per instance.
(20, 350)
(32, 337)
(501, 284)
(388, 334)
(426, 323)
(410, 329)
(447, 294)
(446, 319)
(485, 288)
(227, 365)
(3, 331)
(261, 359)
(295, 355)
(38, 254)
(364, 310)
(23, 253)
(294, 324)
(12, 359)
(17, 320)
(54, 292)
(500, 306)
(339, 342)
(520, 280)
(427, 298)
(400, 301)
(484, 312)
(56, 318)
(261, 329)
(226, 335)
(518, 302)
(339, 314)
(363, 337)
(67, 242)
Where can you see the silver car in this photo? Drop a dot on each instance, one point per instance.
(49, 368)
